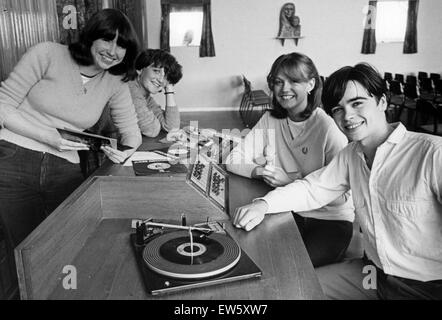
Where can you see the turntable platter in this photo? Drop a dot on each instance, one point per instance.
(171, 255)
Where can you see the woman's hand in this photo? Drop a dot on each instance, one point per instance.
(116, 156)
(257, 172)
(168, 87)
(251, 215)
(275, 176)
(55, 140)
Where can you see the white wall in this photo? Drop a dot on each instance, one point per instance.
(244, 32)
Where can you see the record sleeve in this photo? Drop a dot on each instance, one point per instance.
(211, 181)
(93, 141)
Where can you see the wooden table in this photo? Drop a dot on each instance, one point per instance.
(90, 231)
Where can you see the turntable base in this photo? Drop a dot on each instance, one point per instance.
(91, 232)
(167, 270)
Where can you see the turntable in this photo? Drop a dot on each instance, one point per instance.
(176, 257)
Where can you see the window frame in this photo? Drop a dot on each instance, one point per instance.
(380, 39)
(186, 8)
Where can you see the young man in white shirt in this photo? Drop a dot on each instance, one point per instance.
(396, 181)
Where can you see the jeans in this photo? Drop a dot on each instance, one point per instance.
(347, 280)
(326, 241)
(32, 185)
(397, 288)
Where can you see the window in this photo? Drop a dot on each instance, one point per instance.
(185, 27)
(391, 21)
(193, 30)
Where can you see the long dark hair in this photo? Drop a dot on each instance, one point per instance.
(104, 25)
(336, 84)
(299, 68)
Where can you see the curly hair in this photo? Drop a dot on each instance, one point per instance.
(299, 68)
(160, 59)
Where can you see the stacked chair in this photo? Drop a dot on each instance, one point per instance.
(438, 93)
(395, 100)
(403, 94)
(435, 76)
(388, 77)
(411, 79)
(422, 75)
(399, 77)
(428, 117)
(252, 100)
(411, 94)
(426, 88)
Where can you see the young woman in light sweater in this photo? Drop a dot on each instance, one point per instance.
(56, 86)
(292, 140)
(157, 71)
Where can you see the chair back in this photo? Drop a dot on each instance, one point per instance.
(438, 86)
(387, 86)
(411, 79)
(396, 87)
(422, 75)
(388, 76)
(410, 91)
(426, 85)
(434, 76)
(399, 77)
(247, 85)
(425, 111)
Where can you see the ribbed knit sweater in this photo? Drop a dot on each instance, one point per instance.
(46, 88)
(151, 117)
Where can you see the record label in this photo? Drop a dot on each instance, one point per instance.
(179, 250)
(191, 250)
(178, 151)
(158, 166)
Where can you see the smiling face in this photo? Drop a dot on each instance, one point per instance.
(107, 53)
(152, 79)
(358, 114)
(292, 95)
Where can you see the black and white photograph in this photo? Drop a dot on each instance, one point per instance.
(326, 184)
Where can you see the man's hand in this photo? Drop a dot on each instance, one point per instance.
(275, 176)
(251, 215)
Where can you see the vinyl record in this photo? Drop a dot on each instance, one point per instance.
(178, 151)
(158, 166)
(171, 255)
